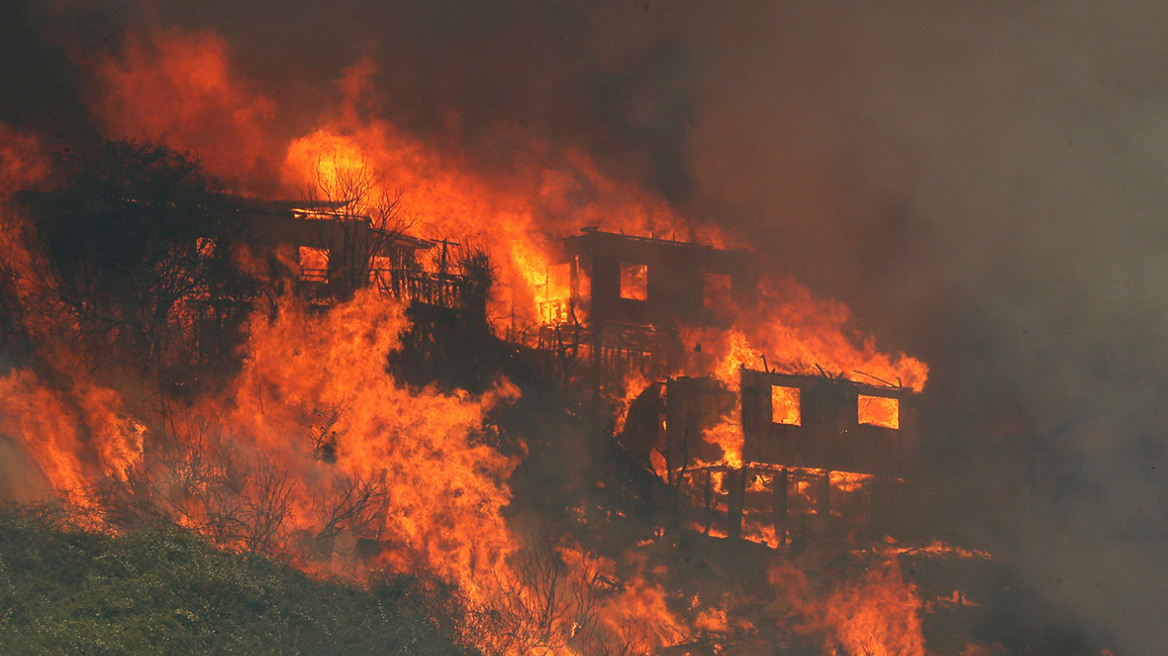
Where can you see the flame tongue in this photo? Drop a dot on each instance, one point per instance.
(438, 482)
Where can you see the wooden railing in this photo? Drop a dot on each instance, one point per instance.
(423, 287)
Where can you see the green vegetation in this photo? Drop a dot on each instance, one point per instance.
(166, 591)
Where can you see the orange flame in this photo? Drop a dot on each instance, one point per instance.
(177, 87)
(877, 614)
(794, 333)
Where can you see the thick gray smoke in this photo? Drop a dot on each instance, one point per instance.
(985, 184)
(982, 183)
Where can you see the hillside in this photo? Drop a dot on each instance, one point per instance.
(166, 591)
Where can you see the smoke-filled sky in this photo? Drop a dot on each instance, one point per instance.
(983, 183)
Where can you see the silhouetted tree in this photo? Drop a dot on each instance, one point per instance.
(367, 225)
(130, 241)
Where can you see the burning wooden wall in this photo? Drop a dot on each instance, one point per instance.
(786, 458)
(657, 282)
(632, 295)
(826, 423)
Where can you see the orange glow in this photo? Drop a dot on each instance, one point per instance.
(635, 611)
(424, 442)
(553, 301)
(634, 282)
(879, 411)
(877, 614)
(177, 87)
(785, 407)
(713, 620)
(24, 165)
(716, 289)
(314, 263)
(761, 533)
(938, 549)
(727, 434)
(849, 481)
(442, 491)
(799, 334)
(635, 383)
(442, 197)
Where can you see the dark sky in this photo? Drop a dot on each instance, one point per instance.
(984, 183)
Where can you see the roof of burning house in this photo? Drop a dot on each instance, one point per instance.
(283, 220)
(617, 240)
(877, 388)
(227, 216)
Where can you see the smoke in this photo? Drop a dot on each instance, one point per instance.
(981, 184)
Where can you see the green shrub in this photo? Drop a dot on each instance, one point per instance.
(166, 591)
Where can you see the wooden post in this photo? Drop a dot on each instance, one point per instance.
(708, 504)
(824, 501)
(597, 357)
(736, 479)
(779, 505)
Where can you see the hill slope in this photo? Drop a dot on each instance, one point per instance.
(165, 591)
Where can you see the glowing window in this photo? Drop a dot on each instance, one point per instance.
(552, 302)
(313, 263)
(634, 282)
(559, 280)
(716, 290)
(785, 405)
(879, 411)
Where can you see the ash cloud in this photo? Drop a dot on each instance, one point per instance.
(983, 184)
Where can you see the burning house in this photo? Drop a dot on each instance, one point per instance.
(329, 249)
(820, 457)
(770, 456)
(635, 293)
(623, 301)
(600, 379)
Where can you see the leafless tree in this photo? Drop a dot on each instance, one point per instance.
(322, 432)
(367, 220)
(550, 605)
(356, 503)
(265, 509)
(196, 478)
